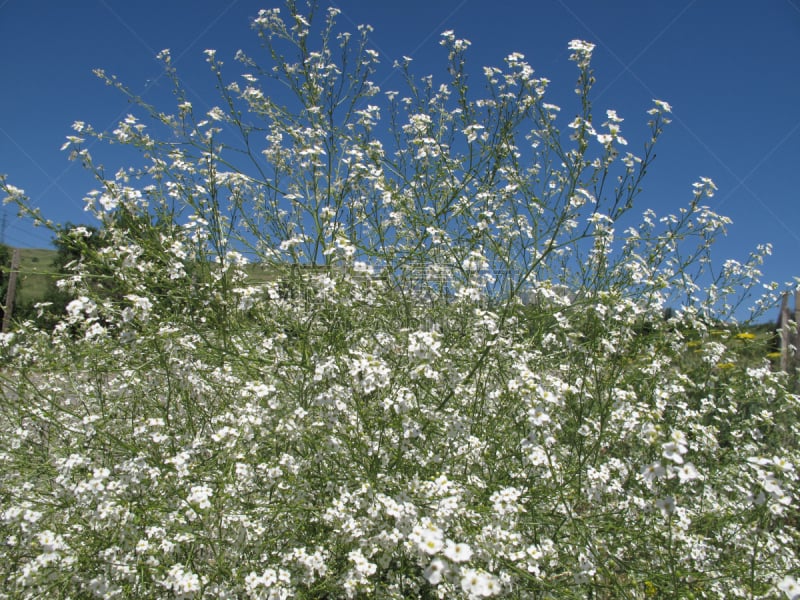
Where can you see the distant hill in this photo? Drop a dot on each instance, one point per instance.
(36, 271)
(35, 274)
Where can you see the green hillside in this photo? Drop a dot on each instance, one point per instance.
(35, 273)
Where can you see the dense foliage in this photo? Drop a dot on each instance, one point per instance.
(356, 343)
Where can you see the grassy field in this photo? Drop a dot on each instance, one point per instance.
(35, 273)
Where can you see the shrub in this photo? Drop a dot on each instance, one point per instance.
(442, 374)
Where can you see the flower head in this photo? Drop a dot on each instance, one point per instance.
(790, 587)
(457, 552)
(479, 583)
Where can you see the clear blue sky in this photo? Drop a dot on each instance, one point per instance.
(730, 69)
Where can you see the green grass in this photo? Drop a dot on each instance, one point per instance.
(36, 271)
(35, 274)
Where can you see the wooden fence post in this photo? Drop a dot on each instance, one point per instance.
(796, 309)
(783, 322)
(789, 333)
(11, 291)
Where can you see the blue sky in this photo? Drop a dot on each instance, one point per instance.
(730, 69)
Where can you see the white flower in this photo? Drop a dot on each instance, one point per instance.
(479, 583)
(675, 448)
(361, 564)
(471, 131)
(687, 472)
(506, 501)
(108, 203)
(782, 464)
(370, 373)
(435, 571)
(672, 451)
(537, 416)
(140, 303)
(428, 537)
(666, 505)
(95, 330)
(183, 583)
(430, 542)
(199, 496)
(581, 46)
(474, 262)
(790, 587)
(457, 552)
(50, 542)
(678, 437)
(424, 345)
(662, 106)
(216, 114)
(653, 471)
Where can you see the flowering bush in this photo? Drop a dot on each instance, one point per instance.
(354, 343)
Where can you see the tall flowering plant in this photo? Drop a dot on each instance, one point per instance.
(391, 344)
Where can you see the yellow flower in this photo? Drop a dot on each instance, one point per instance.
(745, 336)
(726, 365)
